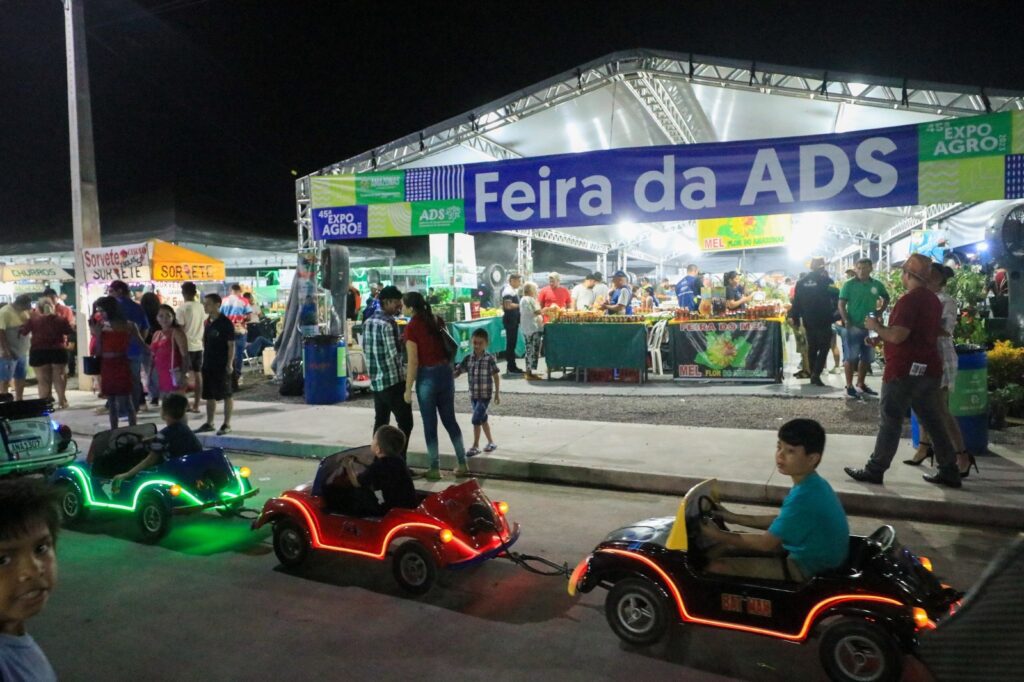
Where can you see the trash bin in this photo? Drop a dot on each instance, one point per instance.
(325, 379)
(968, 401)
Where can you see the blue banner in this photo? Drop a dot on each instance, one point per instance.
(648, 184)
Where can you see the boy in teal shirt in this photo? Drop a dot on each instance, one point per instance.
(810, 535)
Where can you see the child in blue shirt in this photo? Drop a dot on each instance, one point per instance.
(810, 535)
(28, 573)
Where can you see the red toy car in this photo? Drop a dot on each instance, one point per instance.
(455, 528)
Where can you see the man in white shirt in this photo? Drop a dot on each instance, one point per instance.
(191, 317)
(585, 295)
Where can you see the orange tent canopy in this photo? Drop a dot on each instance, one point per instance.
(172, 263)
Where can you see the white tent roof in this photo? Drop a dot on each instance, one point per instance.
(643, 98)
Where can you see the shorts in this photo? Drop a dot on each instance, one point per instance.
(16, 369)
(195, 361)
(480, 411)
(48, 356)
(216, 385)
(854, 347)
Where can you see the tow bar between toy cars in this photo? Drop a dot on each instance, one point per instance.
(524, 560)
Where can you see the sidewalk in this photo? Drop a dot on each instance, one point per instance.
(627, 456)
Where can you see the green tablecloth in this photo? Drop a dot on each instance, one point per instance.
(462, 331)
(596, 345)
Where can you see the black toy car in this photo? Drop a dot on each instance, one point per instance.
(867, 613)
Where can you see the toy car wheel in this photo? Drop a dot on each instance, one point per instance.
(291, 543)
(637, 612)
(855, 650)
(72, 504)
(414, 568)
(154, 518)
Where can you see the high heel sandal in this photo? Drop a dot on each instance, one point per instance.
(971, 462)
(929, 455)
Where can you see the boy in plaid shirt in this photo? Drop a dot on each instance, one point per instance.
(484, 380)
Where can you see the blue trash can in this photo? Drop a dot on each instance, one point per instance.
(968, 401)
(326, 382)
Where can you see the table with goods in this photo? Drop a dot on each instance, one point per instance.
(718, 345)
(602, 347)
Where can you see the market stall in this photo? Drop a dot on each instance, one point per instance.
(597, 342)
(29, 278)
(159, 264)
(738, 348)
(462, 332)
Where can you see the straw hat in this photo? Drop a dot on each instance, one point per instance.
(919, 266)
(817, 263)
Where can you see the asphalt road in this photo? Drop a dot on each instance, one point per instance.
(211, 603)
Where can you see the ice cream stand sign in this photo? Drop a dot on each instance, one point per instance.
(129, 263)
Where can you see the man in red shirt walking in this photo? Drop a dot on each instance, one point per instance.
(913, 372)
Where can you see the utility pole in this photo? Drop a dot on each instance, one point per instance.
(85, 208)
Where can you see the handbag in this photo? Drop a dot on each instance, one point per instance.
(178, 377)
(451, 346)
(91, 365)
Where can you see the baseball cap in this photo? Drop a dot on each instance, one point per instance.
(596, 276)
(619, 273)
(554, 275)
(389, 293)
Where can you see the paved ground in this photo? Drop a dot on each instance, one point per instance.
(211, 603)
(634, 455)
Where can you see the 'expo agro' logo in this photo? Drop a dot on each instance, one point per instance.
(344, 224)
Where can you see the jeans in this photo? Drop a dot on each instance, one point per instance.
(855, 350)
(390, 401)
(14, 368)
(819, 344)
(480, 411)
(435, 389)
(898, 396)
(254, 349)
(511, 337)
(240, 342)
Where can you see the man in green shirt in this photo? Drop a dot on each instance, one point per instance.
(860, 297)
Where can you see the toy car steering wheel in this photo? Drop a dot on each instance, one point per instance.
(127, 440)
(707, 507)
(883, 538)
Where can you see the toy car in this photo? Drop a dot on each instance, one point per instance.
(452, 529)
(180, 485)
(868, 612)
(32, 442)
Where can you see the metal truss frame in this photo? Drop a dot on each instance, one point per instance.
(660, 81)
(931, 212)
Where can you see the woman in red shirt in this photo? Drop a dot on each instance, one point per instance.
(48, 350)
(430, 369)
(169, 348)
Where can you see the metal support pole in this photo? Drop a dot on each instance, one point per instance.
(528, 249)
(391, 270)
(85, 207)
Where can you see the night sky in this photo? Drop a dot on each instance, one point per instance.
(222, 100)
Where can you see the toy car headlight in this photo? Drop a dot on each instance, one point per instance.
(925, 561)
(245, 472)
(577, 575)
(446, 535)
(502, 507)
(175, 490)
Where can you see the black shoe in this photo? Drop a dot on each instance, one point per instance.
(929, 455)
(863, 475)
(816, 381)
(513, 370)
(971, 462)
(943, 479)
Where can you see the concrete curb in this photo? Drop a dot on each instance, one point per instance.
(858, 503)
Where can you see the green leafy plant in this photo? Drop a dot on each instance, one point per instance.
(1005, 401)
(1005, 365)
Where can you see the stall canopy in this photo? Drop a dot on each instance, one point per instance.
(18, 272)
(151, 261)
(643, 111)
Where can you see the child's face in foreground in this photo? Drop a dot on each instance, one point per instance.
(28, 572)
(793, 460)
(479, 345)
(375, 448)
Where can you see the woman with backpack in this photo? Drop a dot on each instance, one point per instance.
(430, 369)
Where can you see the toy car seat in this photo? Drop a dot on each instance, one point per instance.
(982, 640)
(116, 451)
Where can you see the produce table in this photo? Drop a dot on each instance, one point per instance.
(596, 345)
(463, 331)
(733, 349)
